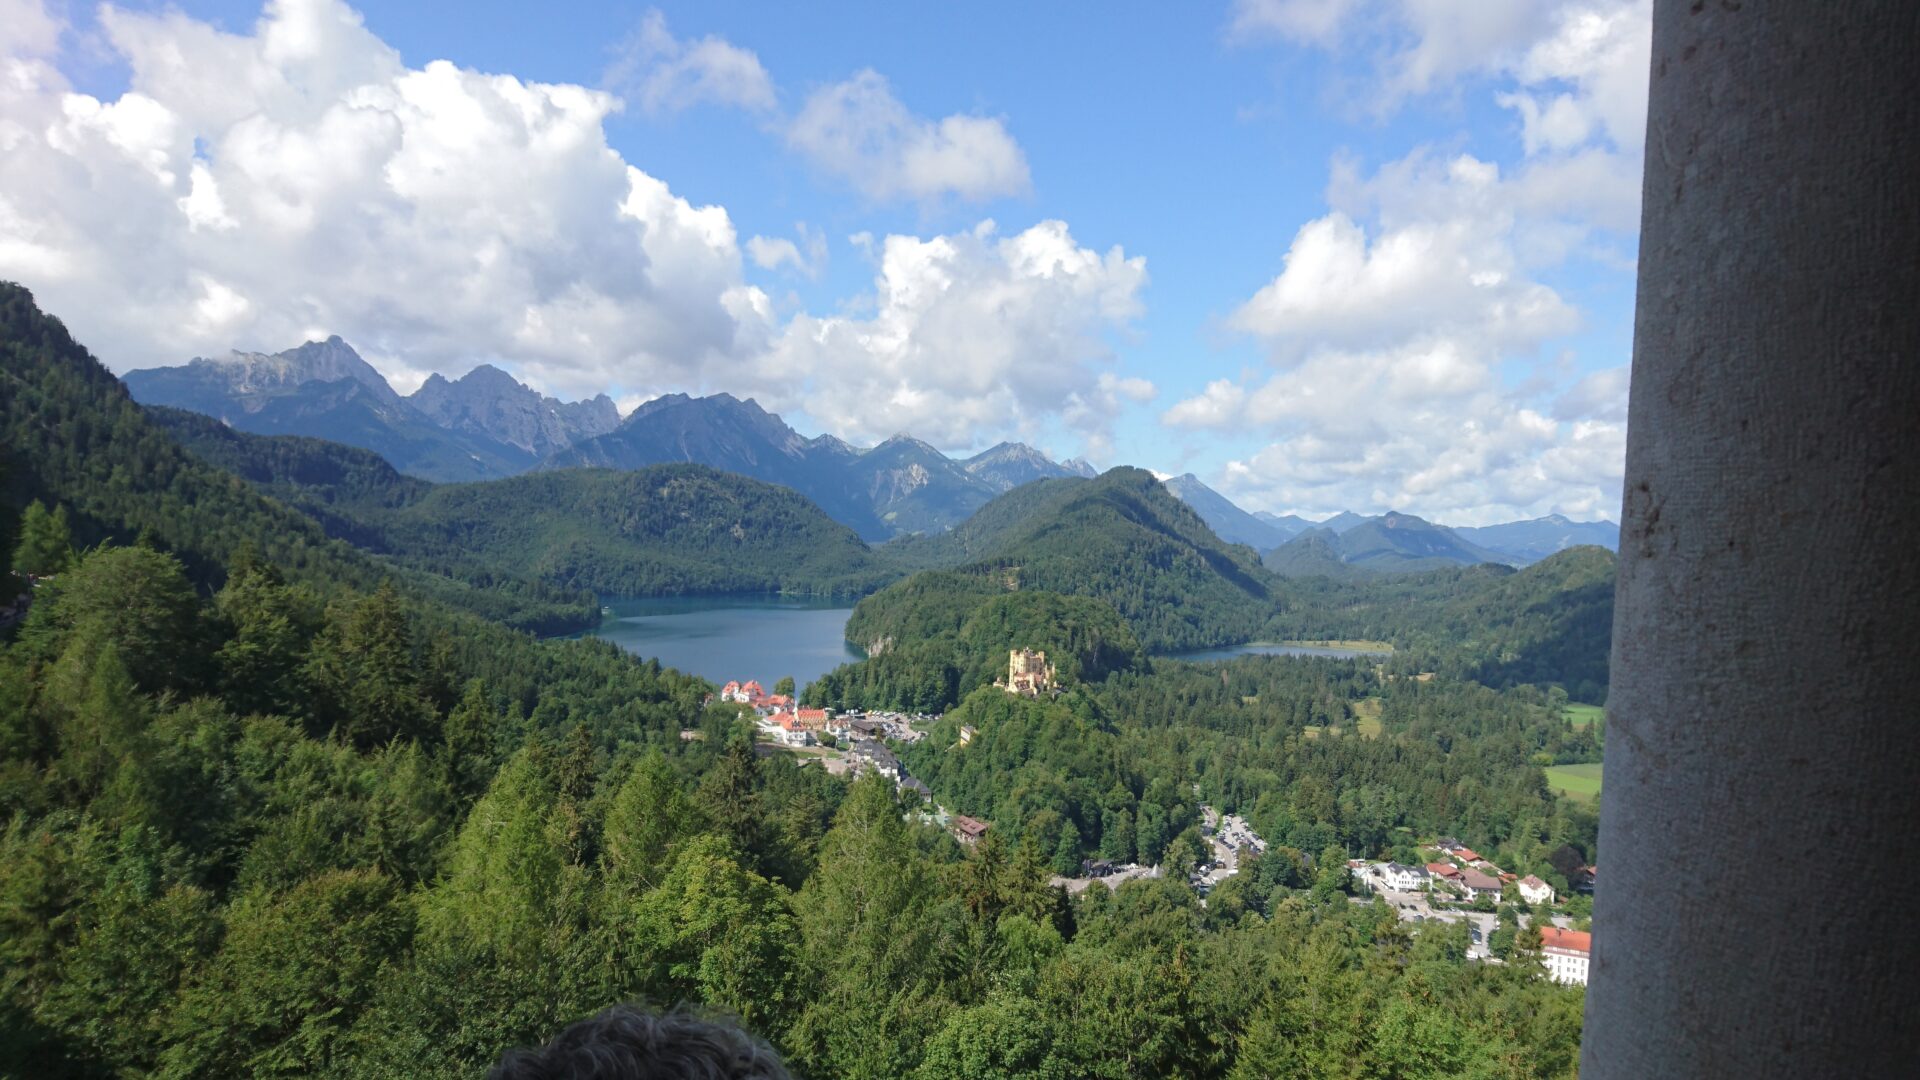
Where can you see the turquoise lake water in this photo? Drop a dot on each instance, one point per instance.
(721, 638)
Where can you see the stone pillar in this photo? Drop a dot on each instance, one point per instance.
(1758, 906)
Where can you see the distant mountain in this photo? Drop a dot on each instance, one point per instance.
(1403, 542)
(726, 433)
(324, 389)
(490, 403)
(1292, 524)
(666, 529)
(914, 488)
(1313, 553)
(1344, 520)
(487, 425)
(1231, 523)
(1390, 543)
(1009, 465)
(901, 486)
(1528, 542)
(1122, 538)
(249, 381)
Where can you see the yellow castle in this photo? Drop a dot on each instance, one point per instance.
(1028, 673)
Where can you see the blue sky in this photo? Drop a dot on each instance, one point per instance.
(1323, 253)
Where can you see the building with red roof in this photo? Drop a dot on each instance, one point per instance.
(1566, 954)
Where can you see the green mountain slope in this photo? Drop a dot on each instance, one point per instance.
(73, 436)
(666, 529)
(1121, 538)
(1550, 623)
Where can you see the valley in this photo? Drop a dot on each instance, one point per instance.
(353, 728)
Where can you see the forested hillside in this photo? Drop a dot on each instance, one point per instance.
(1120, 538)
(72, 436)
(1550, 623)
(666, 529)
(270, 807)
(938, 635)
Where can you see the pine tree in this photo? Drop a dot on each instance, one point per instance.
(732, 793)
(46, 541)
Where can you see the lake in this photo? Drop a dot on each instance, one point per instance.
(1271, 648)
(722, 638)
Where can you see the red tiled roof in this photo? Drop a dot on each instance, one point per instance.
(1444, 869)
(1552, 937)
(1467, 854)
(970, 826)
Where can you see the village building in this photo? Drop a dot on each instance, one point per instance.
(788, 730)
(1403, 878)
(1565, 954)
(1028, 673)
(868, 755)
(1478, 884)
(1535, 891)
(968, 830)
(967, 732)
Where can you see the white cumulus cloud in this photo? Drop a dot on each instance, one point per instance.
(1407, 328)
(969, 336)
(859, 131)
(299, 178)
(1388, 330)
(806, 253)
(666, 74)
(249, 189)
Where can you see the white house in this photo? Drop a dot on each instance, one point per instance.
(1565, 954)
(1403, 878)
(1535, 891)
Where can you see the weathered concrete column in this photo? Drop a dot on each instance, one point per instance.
(1758, 907)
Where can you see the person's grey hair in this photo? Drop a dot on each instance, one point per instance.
(627, 1043)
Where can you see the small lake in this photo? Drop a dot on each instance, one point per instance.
(1271, 648)
(722, 638)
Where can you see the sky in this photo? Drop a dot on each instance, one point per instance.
(1324, 254)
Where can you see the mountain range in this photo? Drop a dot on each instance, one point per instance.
(486, 425)
(1349, 543)
(901, 486)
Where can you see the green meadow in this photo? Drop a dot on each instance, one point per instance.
(1583, 715)
(1579, 781)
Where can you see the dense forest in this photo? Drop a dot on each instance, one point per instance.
(937, 635)
(1548, 624)
(1121, 538)
(661, 530)
(274, 806)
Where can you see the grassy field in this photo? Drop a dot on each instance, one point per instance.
(1583, 715)
(1579, 781)
(1366, 717)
